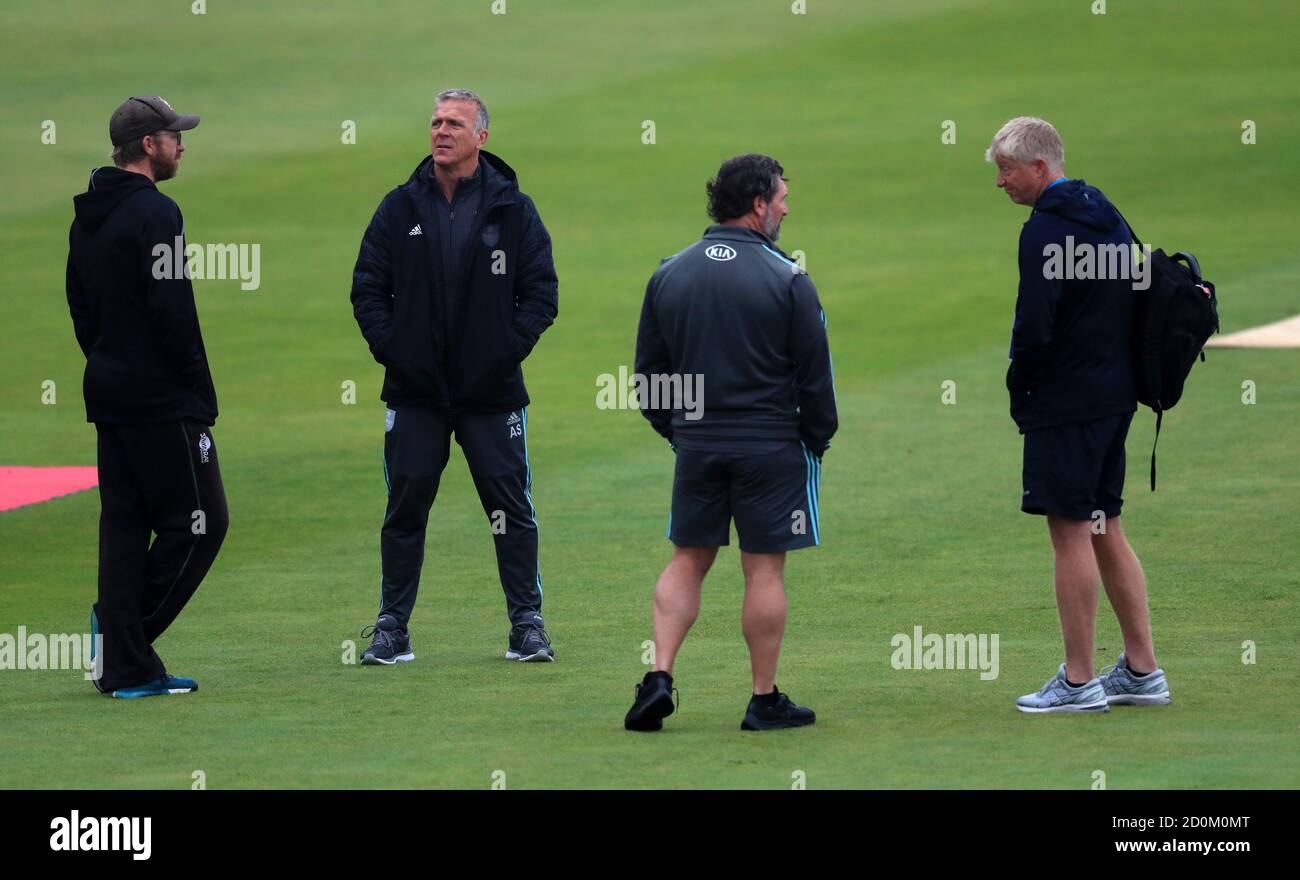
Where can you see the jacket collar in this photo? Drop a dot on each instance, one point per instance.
(500, 185)
(727, 232)
(463, 184)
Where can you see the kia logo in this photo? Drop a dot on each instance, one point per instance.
(720, 252)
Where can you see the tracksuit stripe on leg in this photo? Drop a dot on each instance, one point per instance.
(528, 493)
(817, 496)
(807, 485)
(388, 484)
(811, 488)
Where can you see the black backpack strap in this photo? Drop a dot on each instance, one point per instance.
(1159, 417)
(1133, 235)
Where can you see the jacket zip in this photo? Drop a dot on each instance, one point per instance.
(499, 200)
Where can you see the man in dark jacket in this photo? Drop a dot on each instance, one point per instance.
(737, 326)
(453, 286)
(149, 393)
(1072, 396)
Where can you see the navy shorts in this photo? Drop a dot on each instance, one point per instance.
(1075, 470)
(770, 491)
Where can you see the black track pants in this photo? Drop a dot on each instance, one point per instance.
(157, 479)
(416, 447)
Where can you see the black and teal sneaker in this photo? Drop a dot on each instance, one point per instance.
(653, 702)
(529, 642)
(774, 711)
(391, 644)
(163, 686)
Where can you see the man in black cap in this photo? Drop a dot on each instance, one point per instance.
(453, 286)
(149, 393)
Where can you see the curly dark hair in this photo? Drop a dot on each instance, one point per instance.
(731, 193)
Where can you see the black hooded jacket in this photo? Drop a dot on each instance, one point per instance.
(1070, 345)
(509, 295)
(133, 313)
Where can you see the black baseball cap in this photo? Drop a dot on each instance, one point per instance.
(138, 116)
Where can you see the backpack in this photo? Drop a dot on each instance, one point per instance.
(1172, 320)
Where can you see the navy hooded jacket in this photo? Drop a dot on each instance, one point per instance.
(132, 310)
(1070, 344)
(509, 295)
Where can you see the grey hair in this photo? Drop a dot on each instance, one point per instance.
(1025, 139)
(480, 119)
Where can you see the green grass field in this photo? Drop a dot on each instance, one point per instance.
(913, 252)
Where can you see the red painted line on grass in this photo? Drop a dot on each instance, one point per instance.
(21, 486)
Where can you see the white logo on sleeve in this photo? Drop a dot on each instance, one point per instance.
(205, 444)
(416, 230)
(720, 253)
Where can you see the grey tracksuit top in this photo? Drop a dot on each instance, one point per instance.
(735, 311)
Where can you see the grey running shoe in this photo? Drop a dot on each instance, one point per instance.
(1058, 696)
(1123, 688)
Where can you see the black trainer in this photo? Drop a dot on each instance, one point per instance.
(774, 711)
(529, 642)
(653, 703)
(392, 643)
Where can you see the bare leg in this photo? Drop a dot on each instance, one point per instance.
(1126, 588)
(762, 617)
(677, 601)
(1077, 578)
